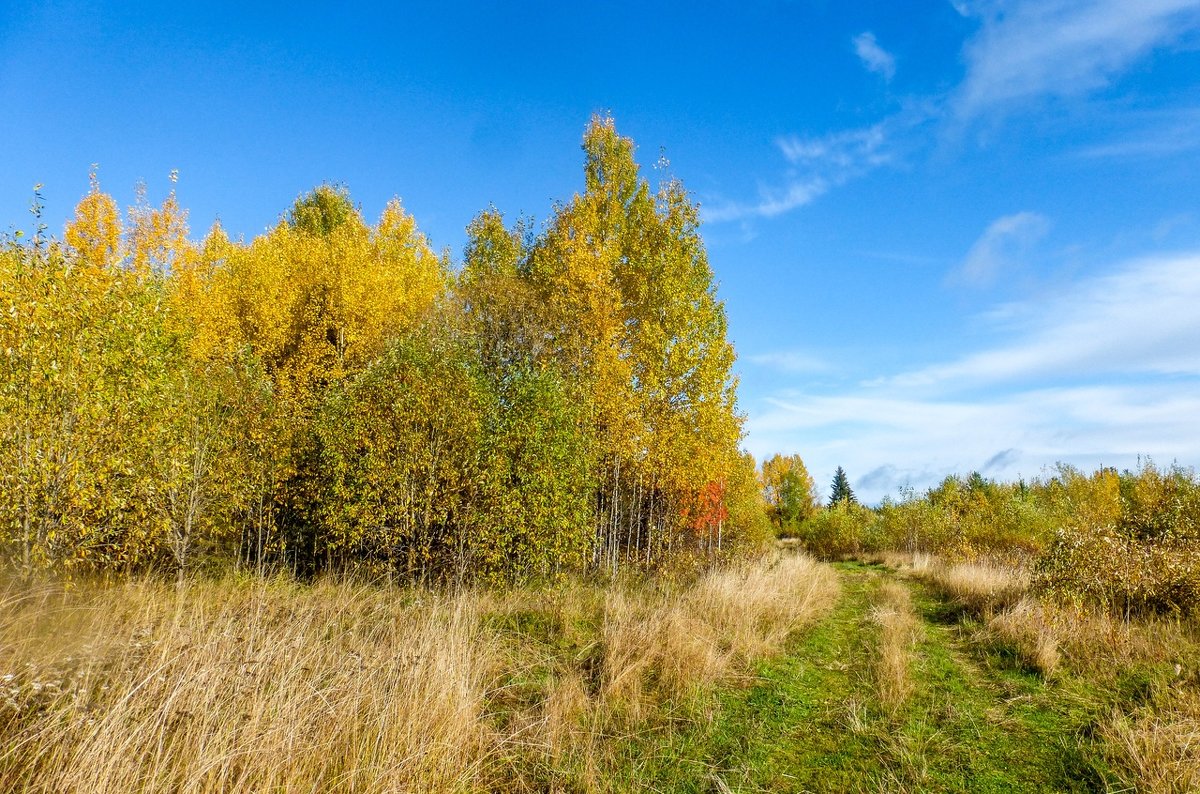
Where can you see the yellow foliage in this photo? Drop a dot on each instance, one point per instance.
(95, 232)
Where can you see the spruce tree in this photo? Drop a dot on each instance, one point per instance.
(841, 490)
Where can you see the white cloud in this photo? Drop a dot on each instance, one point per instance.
(1034, 48)
(818, 164)
(962, 7)
(1142, 318)
(1006, 243)
(1092, 376)
(1024, 50)
(1158, 134)
(848, 149)
(875, 58)
(919, 441)
(771, 202)
(792, 361)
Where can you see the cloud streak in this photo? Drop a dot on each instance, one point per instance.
(1024, 51)
(1141, 318)
(1160, 134)
(791, 361)
(918, 441)
(818, 164)
(1005, 244)
(875, 58)
(1061, 48)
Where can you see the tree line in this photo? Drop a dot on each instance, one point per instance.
(334, 394)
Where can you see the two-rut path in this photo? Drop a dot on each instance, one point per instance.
(812, 719)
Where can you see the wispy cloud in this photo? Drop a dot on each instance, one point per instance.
(1038, 48)
(771, 202)
(1158, 134)
(1141, 318)
(1004, 244)
(962, 7)
(875, 58)
(1023, 51)
(847, 149)
(886, 438)
(817, 164)
(791, 361)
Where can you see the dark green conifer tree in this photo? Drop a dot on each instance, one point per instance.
(841, 490)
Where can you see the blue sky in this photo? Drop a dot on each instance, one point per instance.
(951, 235)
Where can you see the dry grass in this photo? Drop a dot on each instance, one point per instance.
(1031, 630)
(892, 611)
(1154, 743)
(896, 560)
(1159, 747)
(271, 686)
(214, 687)
(689, 640)
(1148, 665)
(979, 588)
(1094, 643)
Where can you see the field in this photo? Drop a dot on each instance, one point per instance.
(880, 674)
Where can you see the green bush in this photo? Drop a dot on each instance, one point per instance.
(845, 528)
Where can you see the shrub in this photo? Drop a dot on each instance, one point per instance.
(842, 529)
(1127, 542)
(1107, 567)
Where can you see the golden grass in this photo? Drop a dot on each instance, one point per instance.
(680, 642)
(1159, 747)
(272, 686)
(1155, 745)
(1152, 742)
(213, 687)
(892, 612)
(1030, 628)
(1093, 642)
(897, 560)
(980, 588)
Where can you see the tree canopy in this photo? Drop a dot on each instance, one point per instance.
(332, 392)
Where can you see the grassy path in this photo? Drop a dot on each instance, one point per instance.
(812, 721)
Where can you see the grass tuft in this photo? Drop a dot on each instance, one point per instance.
(898, 626)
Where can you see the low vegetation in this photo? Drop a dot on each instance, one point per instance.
(1079, 594)
(266, 685)
(897, 625)
(1132, 680)
(1128, 542)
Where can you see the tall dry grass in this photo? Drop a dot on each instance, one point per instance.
(272, 686)
(1152, 737)
(1031, 629)
(213, 687)
(977, 587)
(1159, 747)
(682, 641)
(892, 612)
